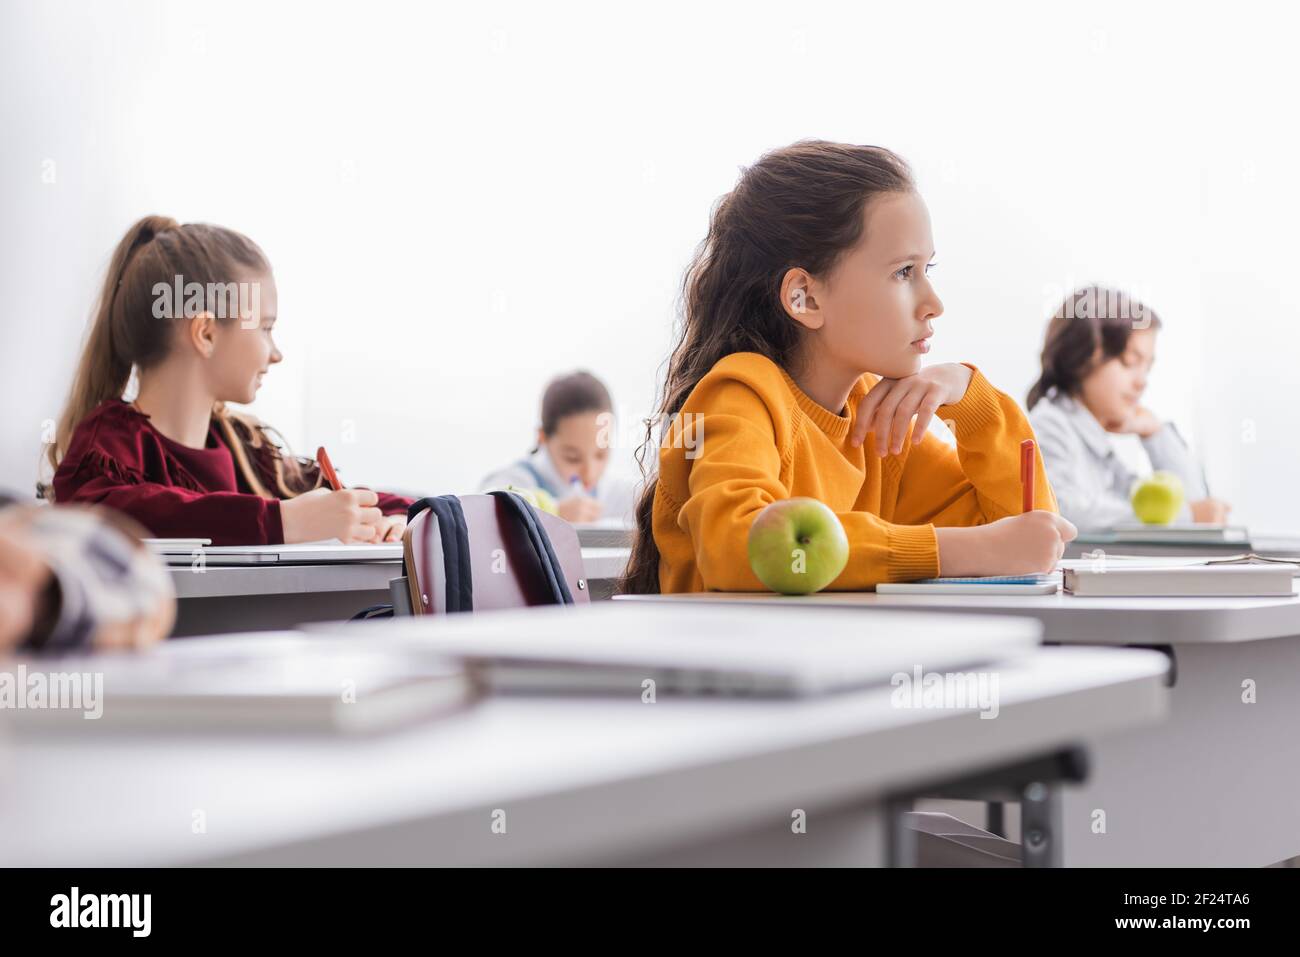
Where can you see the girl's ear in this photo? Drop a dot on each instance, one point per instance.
(203, 334)
(797, 298)
(541, 436)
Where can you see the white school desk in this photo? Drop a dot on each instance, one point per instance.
(579, 779)
(605, 533)
(222, 599)
(1218, 784)
(604, 564)
(261, 597)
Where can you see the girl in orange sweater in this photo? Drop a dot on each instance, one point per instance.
(798, 372)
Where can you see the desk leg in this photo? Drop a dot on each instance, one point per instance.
(900, 846)
(996, 820)
(1040, 826)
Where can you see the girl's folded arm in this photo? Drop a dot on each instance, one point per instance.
(228, 518)
(979, 482)
(736, 474)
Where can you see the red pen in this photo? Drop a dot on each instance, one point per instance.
(1026, 474)
(327, 469)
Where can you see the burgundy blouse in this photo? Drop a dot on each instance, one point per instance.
(117, 458)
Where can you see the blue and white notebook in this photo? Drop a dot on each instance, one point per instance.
(1046, 584)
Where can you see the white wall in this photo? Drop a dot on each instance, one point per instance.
(460, 202)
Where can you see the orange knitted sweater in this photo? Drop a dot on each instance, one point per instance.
(748, 436)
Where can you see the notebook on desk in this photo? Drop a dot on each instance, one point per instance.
(1047, 584)
(174, 544)
(1207, 578)
(306, 553)
(1121, 560)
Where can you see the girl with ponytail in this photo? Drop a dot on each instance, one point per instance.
(190, 309)
(807, 312)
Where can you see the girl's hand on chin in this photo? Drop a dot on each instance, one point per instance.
(890, 405)
(1141, 422)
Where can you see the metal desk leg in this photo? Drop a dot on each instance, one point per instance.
(900, 848)
(1040, 825)
(996, 818)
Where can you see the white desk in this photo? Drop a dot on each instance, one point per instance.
(581, 780)
(1216, 785)
(605, 534)
(260, 597)
(605, 564)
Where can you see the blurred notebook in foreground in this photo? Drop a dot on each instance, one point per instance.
(290, 684)
(777, 651)
(1217, 579)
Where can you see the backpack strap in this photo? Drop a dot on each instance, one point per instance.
(454, 536)
(526, 517)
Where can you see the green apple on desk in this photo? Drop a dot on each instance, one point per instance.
(797, 546)
(1158, 499)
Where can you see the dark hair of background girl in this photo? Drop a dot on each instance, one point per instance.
(1091, 326)
(572, 394)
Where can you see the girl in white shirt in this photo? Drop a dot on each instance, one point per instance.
(571, 457)
(1096, 358)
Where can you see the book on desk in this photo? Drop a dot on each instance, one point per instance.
(1244, 575)
(186, 551)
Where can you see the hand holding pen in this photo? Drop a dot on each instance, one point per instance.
(579, 506)
(349, 515)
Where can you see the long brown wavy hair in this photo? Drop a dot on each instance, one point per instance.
(125, 335)
(800, 206)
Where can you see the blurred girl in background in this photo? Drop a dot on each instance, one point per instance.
(1097, 357)
(570, 460)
